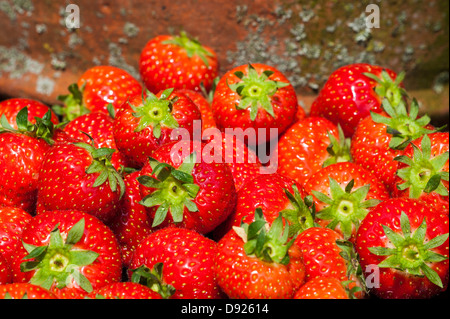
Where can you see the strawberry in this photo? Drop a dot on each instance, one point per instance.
(322, 288)
(423, 171)
(181, 188)
(353, 91)
(99, 126)
(381, 137)
(11, 107)
(147, 122)
(24, 291)
(23, 150)
(403, 249)
(79, 176)
(204, 107)
(254, 261)
(307, 146)
(124, 290)
(12, 222)
(70, 253)
(5, 271)
(178, 62)
(97, 88)
(343, 194)
(256, 96)
(179, 262)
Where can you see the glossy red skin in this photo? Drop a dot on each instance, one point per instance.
(348, 96)
(11, 107)
(343, 173)
(18, 291)
(99, 126)
(396, 284)
(97, 237)
(20, 164)
(216, 198)
(105, 85)
(246, 277)
(64, 184)
(322, 288)
(226, 115)
(124, 290)
(131, 224)
(439, 145)
(302, 149)
(137, 146)
(163, 66)
(12, 222)
(5, 271)
(204, 106)
(188, 259)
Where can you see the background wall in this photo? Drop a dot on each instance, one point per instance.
(40, 56)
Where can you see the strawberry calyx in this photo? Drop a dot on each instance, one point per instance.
(412, 252)
(423, 174)
(346, 208)
(300, 213)
(101, 163)
(388, 88)
(175, 189)
(153, 278)
(338, 149)
(73, 103)
(156, 112)
(356, 283)
(267, 244)
(192, 47)
(255, 91)
(59, 262)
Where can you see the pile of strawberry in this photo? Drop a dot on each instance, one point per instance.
(113, 193)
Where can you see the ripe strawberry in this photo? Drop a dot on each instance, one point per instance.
(97, 88)
(309, 145)
(255, 96)
(322, 288)
(423, 171)
(146, 123)
(22, 152)
(70, 253)
(78, 176)
(204, 107)
(177, 62)
(343, 194)
(256, 262)
(181, 188)
(381, 137)
(403, 249)
(12, 222)
(11, 107)
(5, 272)
(124, 290)
(179, 262)
(353, 91)
(24, 291)
(99, 126)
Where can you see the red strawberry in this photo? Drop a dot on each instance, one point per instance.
(99, 126)
(69, 253)
(24, 291)
(146, 123)
(186, 260)
(309, 145)
(403, 249)
(204, 107)
(97, 88)
(78, 176)
(353, 91)
(255, 96)
(11, 107)
(423, 171)
(124, 290)
(322, 288)
(343, 194)
(5, 272)
(256, 262)
(12, 222)
(177, 62)
(381, 137)
(181, 188)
